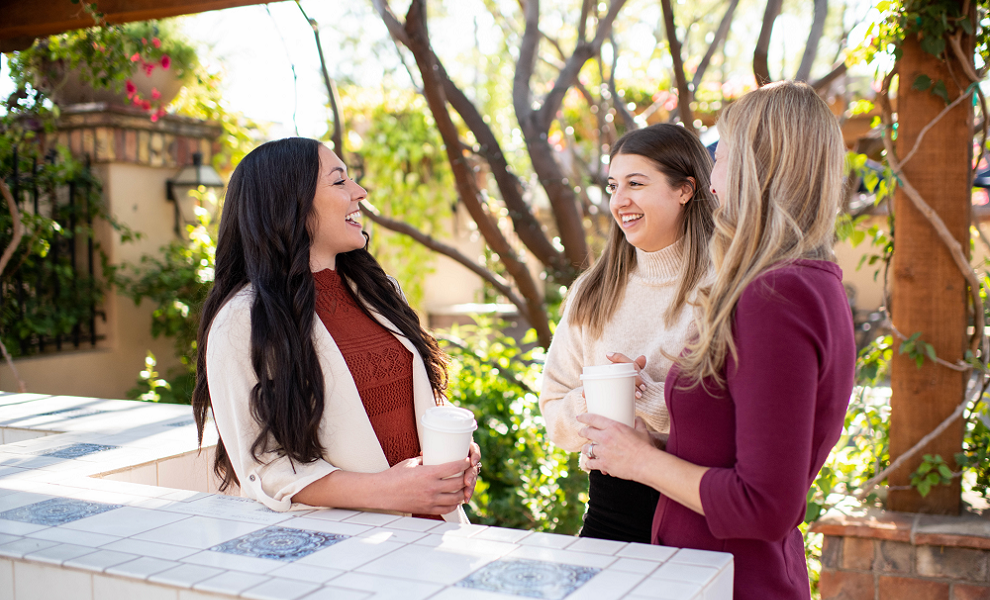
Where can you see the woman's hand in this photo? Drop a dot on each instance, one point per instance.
(411, 487)
(471, 475)
(614, 448)
(640, 363)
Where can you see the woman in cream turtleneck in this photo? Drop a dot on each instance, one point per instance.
(635, 301)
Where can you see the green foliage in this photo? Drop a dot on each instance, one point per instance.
(106, 57)
(526, 482)
(57, 296)
(931, 472)
(177, 284)
(404, 168)
(917, 349)
(203, 98)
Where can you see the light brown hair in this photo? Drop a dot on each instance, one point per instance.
(683, 160)
(784, 157)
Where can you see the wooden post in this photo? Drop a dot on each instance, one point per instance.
(928, 291)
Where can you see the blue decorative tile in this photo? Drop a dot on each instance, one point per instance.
(180, 423)
(79, 412)
(280, 543)
(530, 578)
(56, 511)
(77, 450)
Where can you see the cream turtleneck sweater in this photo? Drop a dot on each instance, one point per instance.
(636, 328)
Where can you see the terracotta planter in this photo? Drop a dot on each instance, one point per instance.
(71, 89)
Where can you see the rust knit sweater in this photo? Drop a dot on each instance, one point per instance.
(380, 365)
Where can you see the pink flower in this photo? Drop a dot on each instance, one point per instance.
(135, 57)
(146, 104)
(154, 117)
(155, 94)
(144, 41)
(166, 62)
(157, 43)
(131, 88)
(148, 68)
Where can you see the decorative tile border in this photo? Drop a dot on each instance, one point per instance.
(77, 450)
(280, 543)
(529, 578)
(57, 511)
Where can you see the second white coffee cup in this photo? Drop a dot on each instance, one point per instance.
(447, 434)
(610, 391)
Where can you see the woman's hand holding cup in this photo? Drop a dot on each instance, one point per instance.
(640, 364)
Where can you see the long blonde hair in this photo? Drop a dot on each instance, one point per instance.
(782, 193)
(680, 156)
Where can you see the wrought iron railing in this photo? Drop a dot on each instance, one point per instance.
(49, 293)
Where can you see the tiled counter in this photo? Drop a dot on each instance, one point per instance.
(106, 500)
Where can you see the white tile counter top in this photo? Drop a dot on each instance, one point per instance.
(107, 500)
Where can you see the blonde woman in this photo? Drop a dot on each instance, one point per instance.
(634, 302)
(757, 400)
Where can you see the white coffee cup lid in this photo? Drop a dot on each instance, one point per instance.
(612, 370)
(449, 419)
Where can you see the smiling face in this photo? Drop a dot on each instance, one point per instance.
(335, 221)
(647, 208)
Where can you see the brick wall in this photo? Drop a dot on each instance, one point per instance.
(902, 556)
(116, 134)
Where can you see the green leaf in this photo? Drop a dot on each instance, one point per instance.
(967, 26)
(933, 45)
(945, 471)
(924, 488)
(933, 478)
(930, 351)
(922, 83)
(939, 90)
(924, 468)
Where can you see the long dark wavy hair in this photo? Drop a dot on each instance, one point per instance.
(264, 239)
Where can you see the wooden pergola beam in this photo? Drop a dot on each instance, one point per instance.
(21, 21)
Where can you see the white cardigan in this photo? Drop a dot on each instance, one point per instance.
(348, 439)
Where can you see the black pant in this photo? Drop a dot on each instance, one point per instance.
(619, 509)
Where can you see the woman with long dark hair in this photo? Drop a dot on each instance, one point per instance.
(314, 367)
(635, 301)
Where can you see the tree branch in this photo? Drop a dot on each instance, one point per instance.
(952, 245)
(838, 70)
(720, 35)
(684, 94)
(451, 252)
(433, 88)
(761, 68)
(582, 53)
(620, 106)
(338, 126)
(814, 37)
(8, 252)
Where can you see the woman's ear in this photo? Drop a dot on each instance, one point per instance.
(688, 190)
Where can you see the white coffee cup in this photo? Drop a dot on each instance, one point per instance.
(610, 391)
(447, 434)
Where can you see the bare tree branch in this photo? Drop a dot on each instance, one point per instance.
(838, 70)
(620, 106)
(582, 54)
(954, 247)
(497, 282)
(338, 125)
(761, 68)
(720, 35)
(814, 37)
(433, 88)
(8, 252)
(684, 95)
(529, 230)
